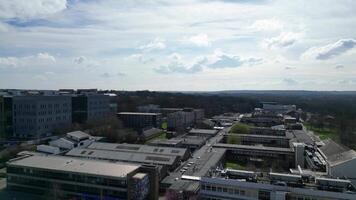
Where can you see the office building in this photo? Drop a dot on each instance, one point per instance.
(90, 106)
(38, 116)
(140, 120)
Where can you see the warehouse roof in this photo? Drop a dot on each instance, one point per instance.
(67, 164)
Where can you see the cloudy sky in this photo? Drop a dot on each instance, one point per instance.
(178, 45)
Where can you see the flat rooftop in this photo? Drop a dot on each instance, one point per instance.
(123, 156)
(67, 164)
(137, 113)
(251, 147)
(139, 148)
(203, 131)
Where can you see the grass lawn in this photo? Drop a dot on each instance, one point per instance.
(233, 139)
(324, 133)
(162, 135)
(164, 125)
(240, 128)
(232, 165)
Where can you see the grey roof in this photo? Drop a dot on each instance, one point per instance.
(166, 141)
(331, 148)
(137, 113)
(250, 147)
(124, 156)
(200, 167)
(336, 153)
(67, 164)
(203, 131)
(151, 132)
(303, 136)
(146, 149)
(78, 134)
(193, 140)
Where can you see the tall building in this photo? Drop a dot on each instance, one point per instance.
(37, 116)
(59, 177)
(87, 107)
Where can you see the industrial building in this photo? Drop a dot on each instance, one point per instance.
(60, 177)
(140, 120)
(90, 106)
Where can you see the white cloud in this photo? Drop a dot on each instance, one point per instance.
(46, 56)
(156, 44)
(112, 75)
(40, 77)
(30, 9)
(217, 60)
(220, 59)
(285, 39)
(3, 27)
(39, 59)
(289, 81)
(201, 40)
(8, 61)
(141, 58)
(267, 25)
(330, 50)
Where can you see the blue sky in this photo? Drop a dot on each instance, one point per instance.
(197, 45)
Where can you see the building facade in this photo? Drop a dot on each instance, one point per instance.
(38, 116)
(90, 107)
(5, 117)
(233, 189)
(140, 120)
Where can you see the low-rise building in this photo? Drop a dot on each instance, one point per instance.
(60, 177)
(237, 189)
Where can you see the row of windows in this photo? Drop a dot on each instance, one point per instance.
(223, 189)
(68, 176)
(49, 112)
(32, 120)
(42, 106)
